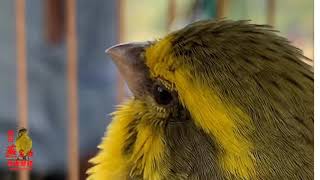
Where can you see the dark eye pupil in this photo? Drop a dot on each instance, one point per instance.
(162, 95)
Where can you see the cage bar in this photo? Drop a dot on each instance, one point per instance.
(271, 7)
(72, 91)
(172, 6)
(120, 29)
(222, 7)
(22, 80)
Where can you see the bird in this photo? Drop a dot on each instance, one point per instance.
(23, 142)
(217, 99)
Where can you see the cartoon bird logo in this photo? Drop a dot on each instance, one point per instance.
(23, 142)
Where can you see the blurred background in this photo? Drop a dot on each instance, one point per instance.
(65, 81)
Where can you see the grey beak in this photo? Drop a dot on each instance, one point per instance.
(129, 59)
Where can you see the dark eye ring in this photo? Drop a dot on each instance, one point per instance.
(162, 95)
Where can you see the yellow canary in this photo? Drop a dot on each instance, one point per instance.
(215, 100)
(23, 142)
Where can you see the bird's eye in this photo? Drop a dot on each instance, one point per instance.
(162, 95)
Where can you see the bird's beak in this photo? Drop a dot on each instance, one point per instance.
(129, 59)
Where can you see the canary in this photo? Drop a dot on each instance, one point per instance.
(23, 142)
(215, 100)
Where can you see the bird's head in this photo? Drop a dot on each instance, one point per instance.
(22, 131)
(207, 73)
